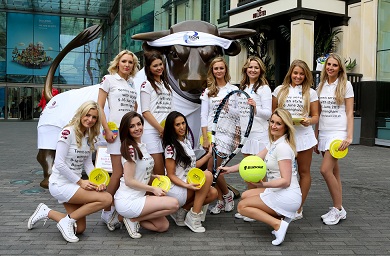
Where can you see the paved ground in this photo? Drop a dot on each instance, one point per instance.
(366, 231)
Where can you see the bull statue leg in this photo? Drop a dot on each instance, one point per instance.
(45, 158)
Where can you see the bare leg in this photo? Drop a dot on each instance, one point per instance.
(117, 172)
(304, 159)
(156, 207)
(45, 158)
(331, 173)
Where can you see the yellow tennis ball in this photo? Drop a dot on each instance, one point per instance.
(252, 169)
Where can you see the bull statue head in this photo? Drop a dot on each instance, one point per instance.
(189, 47)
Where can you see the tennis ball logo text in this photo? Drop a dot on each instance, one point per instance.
(98, 177)
(248, 167)
(196, 177)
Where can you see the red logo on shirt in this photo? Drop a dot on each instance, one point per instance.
(64, 134)
(143, 84)
(131, 151)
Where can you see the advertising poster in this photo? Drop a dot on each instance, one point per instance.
(32, 43)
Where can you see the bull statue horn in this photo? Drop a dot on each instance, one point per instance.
(86, 36)
(235, 33)
(150, 36)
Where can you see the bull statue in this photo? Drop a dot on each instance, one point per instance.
(188, 47)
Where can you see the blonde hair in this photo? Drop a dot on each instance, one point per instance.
(306, 85)
(342, 79)
(261, 80)
(290, 130)
(113, 68)
(211, 82)
(92, 132)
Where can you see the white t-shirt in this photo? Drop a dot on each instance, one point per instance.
(333, 117)
(160, 103)
(121, 97)
(210, 105)
(277, 151)
(181, 172)
(143, 171)
(263, 99)
(294, 103)
(75, 160)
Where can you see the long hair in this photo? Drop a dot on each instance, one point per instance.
(149, 58)
(126, 139)
(306, 85)
(290, 130)
(113, 68)
(170, 138)
(211, 81)
(93, 131)
(342, 79)
(261, 80)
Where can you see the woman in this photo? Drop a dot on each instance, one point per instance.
(218, 86)
(256, 85)
(336, 122)
(276, 200)
(131, 200)
(156, 104)
(179, 159)
(79, 197)
(297, 96)
(118, 89)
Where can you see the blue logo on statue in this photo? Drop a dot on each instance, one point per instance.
(191, 37)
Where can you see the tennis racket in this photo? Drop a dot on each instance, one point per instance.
(231, 127)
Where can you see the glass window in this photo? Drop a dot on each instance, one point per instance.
(2, 102)
(383, 55)
(206, 10)
(224, 7)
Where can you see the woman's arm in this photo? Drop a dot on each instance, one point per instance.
(205, 158)
(314, 116)
(130, 181)
(204, 113)
(349, 112)
(266, 104)
(274, 103)
(285, 168)
(102, 97)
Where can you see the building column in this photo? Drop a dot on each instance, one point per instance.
(302, 40)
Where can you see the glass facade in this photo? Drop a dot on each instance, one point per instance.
(383, 50)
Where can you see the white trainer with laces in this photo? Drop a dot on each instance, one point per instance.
(67, 228)
(132, 228)
(193, 221)
(247, 219)
(298, 216)
(113, 222)
(41, 213)
(179, 217)
(334, 216)
(229, 201)
(324, 216)
(239, 216)
(218, 207)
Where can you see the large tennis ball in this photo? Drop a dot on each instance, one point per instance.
(252, 169)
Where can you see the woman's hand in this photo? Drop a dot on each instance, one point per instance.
(158, 191)
(316, 149)
(110, 136)
(193, 186)
(252, 102)
(87, 185)
(257, 184)
(345, 144)
(306, 121)
(101, 187)
(206, 144)
(226, 169)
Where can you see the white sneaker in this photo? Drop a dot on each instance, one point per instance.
(132, 228)
(40, 214)
(335, 215)
(281, 233)
(179, 217)
(298, 216)
(113, 222)
(67, 228)
(218, 207)
(247, 219)
(106, 216)
(193, 221)
(324, 216)
(239, 216)
(229, 201)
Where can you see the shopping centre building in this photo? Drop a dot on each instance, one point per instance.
(33, 32)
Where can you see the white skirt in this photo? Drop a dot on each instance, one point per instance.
(305, 138)
(256, 142)
(63, 192)
(284, 202)
(326, 137)
(153, 141)
(115, 147)
(179, 193)
(130, 208)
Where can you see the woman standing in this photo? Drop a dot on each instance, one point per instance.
(336, 122)
(118, 89)
(256, 85)
(297, 96)
(280, 196)
(73, 154)
(156, 104)
(131, 202)
(218, 86)
(179, 159)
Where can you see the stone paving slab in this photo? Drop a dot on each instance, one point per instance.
(366, 231)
